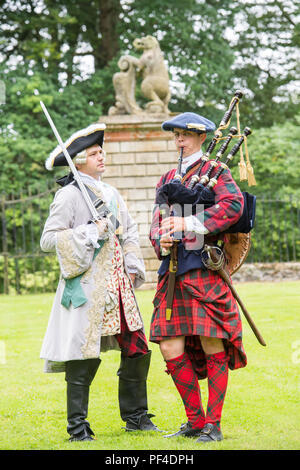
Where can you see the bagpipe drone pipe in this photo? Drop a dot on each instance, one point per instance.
(199, 190)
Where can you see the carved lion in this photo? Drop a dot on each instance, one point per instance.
(155, 84)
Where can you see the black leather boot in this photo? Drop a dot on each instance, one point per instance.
(133, 401)
(79, 376)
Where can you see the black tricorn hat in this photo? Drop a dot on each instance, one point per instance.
(79, 141)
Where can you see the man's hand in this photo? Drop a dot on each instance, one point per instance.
(169, 226)
(166, 242)
(102, 225)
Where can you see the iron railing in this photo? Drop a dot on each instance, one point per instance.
(23, 266)
(276, 233)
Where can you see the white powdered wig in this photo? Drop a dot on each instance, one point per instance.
(80, 158)
(82, 133)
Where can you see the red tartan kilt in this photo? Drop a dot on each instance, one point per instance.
(130, 342)
(203, 306)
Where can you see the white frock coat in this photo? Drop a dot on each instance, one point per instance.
(82, 331)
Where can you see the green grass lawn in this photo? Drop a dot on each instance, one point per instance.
(261, 409)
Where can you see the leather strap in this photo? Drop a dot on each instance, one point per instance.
(171, 279)
(102, 209)
(191, 172)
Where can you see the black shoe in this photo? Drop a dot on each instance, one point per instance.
(142, 423)
(210, 433)
(82, 436)
(186, 430)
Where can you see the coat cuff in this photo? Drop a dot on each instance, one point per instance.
(193, 224)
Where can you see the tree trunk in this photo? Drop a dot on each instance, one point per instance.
(108, 47)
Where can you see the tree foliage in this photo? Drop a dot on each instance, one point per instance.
(52, 35)
(211, 46)
(266, 41)
(26, 138)
(274, 155)
(67, 51)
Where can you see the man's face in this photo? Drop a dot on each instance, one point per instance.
(190, 141)
(95, 162)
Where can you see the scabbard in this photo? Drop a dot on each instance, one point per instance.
(251, 323)
(172, 279)
(224, 275)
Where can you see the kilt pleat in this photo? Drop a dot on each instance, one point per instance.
(203, 306)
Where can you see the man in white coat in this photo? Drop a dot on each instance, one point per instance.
(95, 308)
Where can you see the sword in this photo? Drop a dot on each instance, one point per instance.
(95, 214)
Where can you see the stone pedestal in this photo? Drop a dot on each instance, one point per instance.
(138, 153)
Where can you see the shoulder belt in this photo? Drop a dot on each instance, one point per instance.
(102, 208)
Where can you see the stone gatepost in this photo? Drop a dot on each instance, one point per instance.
(138, 153)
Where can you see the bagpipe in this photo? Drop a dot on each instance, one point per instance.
(199, 190)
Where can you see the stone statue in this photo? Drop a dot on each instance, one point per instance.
(124, 85)
(155, 80)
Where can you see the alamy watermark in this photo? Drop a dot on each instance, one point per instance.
(296, 355)
(2, 353)
(296, 352)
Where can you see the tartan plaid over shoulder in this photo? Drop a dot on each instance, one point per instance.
(203, 304)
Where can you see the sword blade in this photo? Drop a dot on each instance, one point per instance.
(77, 178)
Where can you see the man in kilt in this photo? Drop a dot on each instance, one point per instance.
(203, 337)
(95, 309)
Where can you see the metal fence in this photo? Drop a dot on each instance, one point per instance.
(24, 268)
(276, 233)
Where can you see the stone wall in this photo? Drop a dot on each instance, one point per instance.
(268, 272)
(138, 153)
